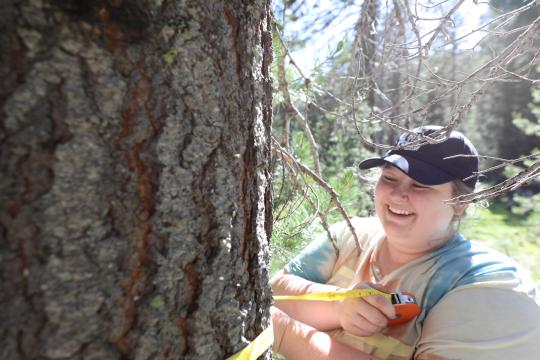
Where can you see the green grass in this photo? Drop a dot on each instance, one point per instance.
(513, 235)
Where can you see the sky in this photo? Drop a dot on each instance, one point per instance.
(467, 18)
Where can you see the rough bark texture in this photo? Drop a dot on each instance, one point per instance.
(134, 196)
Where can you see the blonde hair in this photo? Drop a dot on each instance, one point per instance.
(459, 188)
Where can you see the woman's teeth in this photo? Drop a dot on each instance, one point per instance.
(400, 212)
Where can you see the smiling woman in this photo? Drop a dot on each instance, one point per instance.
(411, 246)
(414, 216)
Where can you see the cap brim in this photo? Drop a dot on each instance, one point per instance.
(420, 171)
(371, 163)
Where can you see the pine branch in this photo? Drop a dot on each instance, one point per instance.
(288, 158)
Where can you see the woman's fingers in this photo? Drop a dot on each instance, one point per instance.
(361, 318)
(382, 304)
(378, 301)
(371, 312)
(364, 327)
(365, 316)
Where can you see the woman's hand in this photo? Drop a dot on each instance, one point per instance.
(364, 316)
(296, 340)
(280, 322)
(359, 316)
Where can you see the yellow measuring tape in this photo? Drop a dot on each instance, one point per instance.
(335, 295)
(265, 339)
(257, 346)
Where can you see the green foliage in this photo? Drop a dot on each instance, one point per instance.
(525, 201)
(296, 219)
(325, 101)
(296, 222)
(526, 125)
(515, 236)
(512, 226)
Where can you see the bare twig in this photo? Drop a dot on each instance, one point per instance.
(443, 22)
(504, 162)
(407, 84)
(292, 110)
(315, 207)
(511, 184)
(323, 184)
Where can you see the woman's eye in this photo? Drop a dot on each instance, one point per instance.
(388, 178)
(420, 187)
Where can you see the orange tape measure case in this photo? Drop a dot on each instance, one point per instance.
(406, 308)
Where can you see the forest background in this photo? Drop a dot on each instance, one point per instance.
(138, 155)
(385, 66)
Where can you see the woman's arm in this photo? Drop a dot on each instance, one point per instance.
(360, 316)
(481, 323)
(308, 272)
(288, 284)
(299, 341)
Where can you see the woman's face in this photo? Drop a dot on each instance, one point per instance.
(414, 216)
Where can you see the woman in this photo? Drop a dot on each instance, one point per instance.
(475, 303)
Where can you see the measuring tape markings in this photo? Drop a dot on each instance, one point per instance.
(335, 295)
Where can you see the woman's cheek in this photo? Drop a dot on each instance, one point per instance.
(440, 219)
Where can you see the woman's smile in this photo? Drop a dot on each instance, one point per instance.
(400, 212)
(413, 215)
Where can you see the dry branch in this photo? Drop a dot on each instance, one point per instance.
(292, 110)
(288, 158)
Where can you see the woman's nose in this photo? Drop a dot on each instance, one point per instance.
(400, 192)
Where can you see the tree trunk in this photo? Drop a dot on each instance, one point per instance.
(135, 200)
(365, 48)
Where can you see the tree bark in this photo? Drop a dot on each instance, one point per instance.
(135, 208)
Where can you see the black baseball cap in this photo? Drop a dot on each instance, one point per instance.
(429, 164)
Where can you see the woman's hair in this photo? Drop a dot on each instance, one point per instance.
(459, 188)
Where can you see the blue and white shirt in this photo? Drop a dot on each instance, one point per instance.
(476, 303)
